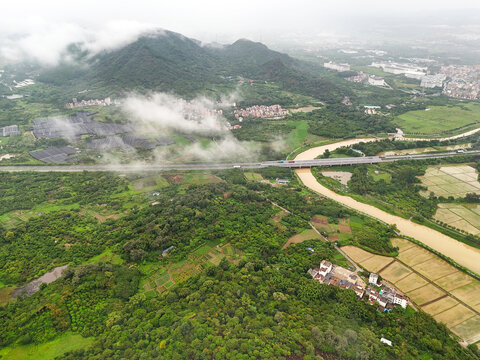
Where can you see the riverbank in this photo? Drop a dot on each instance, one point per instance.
(460, 253)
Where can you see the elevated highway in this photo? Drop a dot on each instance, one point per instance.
(295, 164)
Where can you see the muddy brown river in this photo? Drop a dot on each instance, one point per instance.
(461, 253)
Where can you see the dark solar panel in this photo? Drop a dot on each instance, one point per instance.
(54, 154)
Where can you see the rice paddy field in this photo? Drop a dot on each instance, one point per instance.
(455, 180)
(438, 288)
(462, 216)
(438, 119)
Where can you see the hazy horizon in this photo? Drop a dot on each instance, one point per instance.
(42, 30)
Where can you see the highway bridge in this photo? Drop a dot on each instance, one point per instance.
(222, 166)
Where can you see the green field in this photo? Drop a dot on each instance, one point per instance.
(439, 118)
(379, 175)
(251, 176)
(107, 256)
(48, 350)
(298, 135)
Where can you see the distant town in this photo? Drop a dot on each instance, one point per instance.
(456, 81)
(261, 111)
(92, 102)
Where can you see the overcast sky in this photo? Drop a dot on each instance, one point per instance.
(41, 29)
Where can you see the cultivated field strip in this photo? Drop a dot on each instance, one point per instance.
(456, 180)
(441, 290)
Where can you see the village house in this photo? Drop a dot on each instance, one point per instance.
(331, 274)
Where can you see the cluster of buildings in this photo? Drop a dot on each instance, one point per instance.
(412, 71)
(387, 297)
(464, 81)
(346, 101)
(371, 109)
(361, 77)
(233, 127)
(197, 112)
(376, 81)
(261, 111)
(92, 102)
(337, 67)
(331, 274)
(433, 81)
(9, 130)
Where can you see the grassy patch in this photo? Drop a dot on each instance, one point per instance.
(379, 175)
(107, 256)
(306, 234)
(251, 176)
(48, 350)
(297, 136)
(5, 293)
(439, 119)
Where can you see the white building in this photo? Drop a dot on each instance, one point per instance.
(400, 300)
(373, 279)
(386, 341)
(338, 67)
(376, 81)
(9, 130)
(319, 273)
(409, 70)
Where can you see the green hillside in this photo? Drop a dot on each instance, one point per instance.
(171, 62)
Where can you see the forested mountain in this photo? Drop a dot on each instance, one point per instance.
(168, 61)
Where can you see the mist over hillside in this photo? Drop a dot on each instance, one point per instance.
(168, 61)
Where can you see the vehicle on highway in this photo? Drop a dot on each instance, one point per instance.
(291, 161)
(281, 161)
(236, 166)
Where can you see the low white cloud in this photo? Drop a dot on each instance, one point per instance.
(160, 111)
(160, 114)
(228, 149)
(46, 42)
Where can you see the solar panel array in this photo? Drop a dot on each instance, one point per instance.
(108, 143)
(164, 141)
(139, 142)
(75, 126)
(9, 130)
(128, 142)
(54, 154)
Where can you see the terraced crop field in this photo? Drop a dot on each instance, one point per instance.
(462, 216)
(438, 288)
(456, 181)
